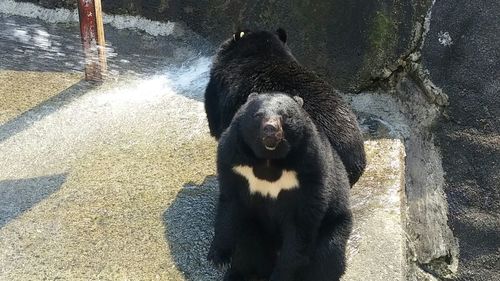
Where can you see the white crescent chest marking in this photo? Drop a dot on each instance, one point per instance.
(288, 180)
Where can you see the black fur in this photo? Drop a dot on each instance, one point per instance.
(260, 61)
(299, 236)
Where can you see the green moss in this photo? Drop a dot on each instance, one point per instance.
(382, 33)
(382, 40)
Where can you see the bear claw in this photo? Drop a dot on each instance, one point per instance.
(218, 258)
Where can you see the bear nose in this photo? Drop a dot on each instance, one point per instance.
(272, 127)
(272, 132)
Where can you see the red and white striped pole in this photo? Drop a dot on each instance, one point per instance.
(92, 33)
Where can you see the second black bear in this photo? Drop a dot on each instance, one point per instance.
(260, 61)
(283, 212)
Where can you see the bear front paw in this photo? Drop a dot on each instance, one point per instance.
(218, 257)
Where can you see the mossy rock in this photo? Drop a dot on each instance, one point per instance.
(349, 42)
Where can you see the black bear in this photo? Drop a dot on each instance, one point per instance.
(261, 61)
(283, 210)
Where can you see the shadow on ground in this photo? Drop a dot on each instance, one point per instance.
(37, 113)
(18, 196)
(189, 229)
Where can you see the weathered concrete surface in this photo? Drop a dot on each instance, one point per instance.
(123, 156)
(409, 116)
(432, 248)
(377, 245)
(462, 56)
(376, 248)
(350, 42)
(27, 87)
(105, 187)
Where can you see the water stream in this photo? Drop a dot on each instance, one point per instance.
(179, 57)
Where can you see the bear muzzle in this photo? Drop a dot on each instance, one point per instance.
(271, 132)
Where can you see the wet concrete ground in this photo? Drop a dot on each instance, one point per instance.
(33, 45)
(84, 189)
(28, 93)
(110, 187)
(116, 182)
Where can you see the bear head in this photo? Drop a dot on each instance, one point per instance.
(272, 124)
(247, 43)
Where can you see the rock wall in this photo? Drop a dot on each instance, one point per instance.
(352, 42)
(462, 56)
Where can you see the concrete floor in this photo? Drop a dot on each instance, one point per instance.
(115, 182)
(26, 85)
(122, 157)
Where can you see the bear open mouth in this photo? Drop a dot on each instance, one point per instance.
(271, 143)
(270, 147)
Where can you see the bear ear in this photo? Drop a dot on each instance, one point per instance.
(282, 34)
(252, 95)
(299, 100)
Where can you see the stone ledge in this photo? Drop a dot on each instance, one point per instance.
(376, 247)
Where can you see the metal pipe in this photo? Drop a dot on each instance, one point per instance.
(92, 34)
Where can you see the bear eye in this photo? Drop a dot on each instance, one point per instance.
(258, 115)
